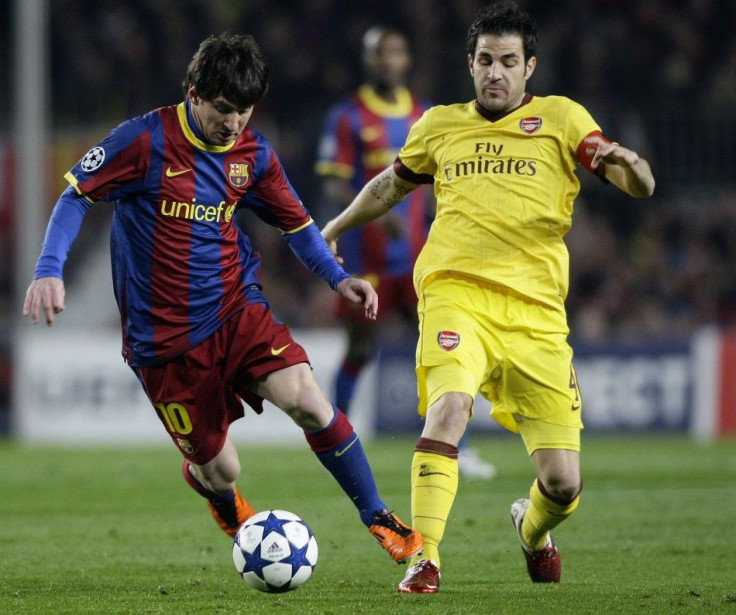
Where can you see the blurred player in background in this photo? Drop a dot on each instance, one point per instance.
(197, 330)
(363, 134)
(493, 277)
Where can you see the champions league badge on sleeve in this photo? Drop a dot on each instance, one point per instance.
(448, 340)
(93, 159)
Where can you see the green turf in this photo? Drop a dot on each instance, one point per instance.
(117, 531)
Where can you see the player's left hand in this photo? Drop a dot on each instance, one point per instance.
(360, 291)
(609, 152)
(44, 295)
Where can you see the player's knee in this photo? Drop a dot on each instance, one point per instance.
(450, 411)
(308, 408)
(563, 488)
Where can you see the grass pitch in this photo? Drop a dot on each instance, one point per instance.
(116, 530)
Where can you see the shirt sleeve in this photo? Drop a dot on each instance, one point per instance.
(119, 161)
(273, 198)
(580, 126)
(62, 230)
(314, 253)
(414, 162)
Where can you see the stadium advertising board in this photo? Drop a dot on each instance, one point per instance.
(636, 388)
(685, 386)
(725, 417)
(73, 386)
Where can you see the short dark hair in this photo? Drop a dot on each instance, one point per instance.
(229, 65)
(501, 18)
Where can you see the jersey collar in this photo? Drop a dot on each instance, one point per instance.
(191, 130)
(401, 108)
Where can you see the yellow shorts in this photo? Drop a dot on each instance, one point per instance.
(540, 434)
(478, 338)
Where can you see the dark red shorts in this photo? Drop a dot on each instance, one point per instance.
(199, 394)
(395, 294)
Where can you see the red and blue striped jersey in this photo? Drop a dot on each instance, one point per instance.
(362, 136)
(181, 264)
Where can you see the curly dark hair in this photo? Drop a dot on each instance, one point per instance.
(229, 65)
(501, 18)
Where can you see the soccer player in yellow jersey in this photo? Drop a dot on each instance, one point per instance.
(492, 280)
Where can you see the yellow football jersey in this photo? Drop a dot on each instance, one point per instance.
(504, 190)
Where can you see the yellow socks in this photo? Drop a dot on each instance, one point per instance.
(543, 515)
(434, 479)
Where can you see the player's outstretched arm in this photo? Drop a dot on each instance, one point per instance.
(45, 294)
(377, 197)
(47, 291)
(625, 169)
(360, 291)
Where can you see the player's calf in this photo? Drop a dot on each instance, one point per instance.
(230, 510)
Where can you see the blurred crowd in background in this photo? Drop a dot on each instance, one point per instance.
(658, 75)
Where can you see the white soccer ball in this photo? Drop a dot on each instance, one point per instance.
(275, 551)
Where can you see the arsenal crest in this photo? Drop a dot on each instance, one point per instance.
(448, 340)
(237, 174)
(530, 124)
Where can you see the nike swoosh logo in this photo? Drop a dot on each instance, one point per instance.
(170, 173)
(277, 351)
(575, 407)
(345, 450)
(426, 473)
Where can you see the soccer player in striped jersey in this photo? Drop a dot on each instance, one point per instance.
(363, 134)
(493, 277)
(197, 330)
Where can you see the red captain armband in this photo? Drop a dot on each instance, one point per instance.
(585, 159)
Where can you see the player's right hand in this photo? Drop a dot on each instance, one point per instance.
(331, 240)
(47, 294)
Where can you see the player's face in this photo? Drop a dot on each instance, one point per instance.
(499, 71)
(220, 121)
(387, 60)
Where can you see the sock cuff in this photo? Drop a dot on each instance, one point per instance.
(565, 507)
(427, 445)
(194, 483)
(337, 432)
